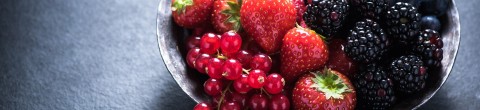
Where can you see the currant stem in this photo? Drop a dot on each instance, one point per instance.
(220, 56)
(263, 90)
(246, 71)
(223, 95)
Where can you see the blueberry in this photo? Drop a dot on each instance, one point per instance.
(434, 7)
(430, 22)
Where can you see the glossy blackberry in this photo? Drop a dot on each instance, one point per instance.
(374, 89)
(403, 22)
(428, 46)
(372, 9)
(367, 42)
(408, 74)
(326, 16)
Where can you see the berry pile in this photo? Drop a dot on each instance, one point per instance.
(237, 78)
(311, 54)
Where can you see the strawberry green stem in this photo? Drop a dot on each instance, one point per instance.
(180, 5)
(330, 84)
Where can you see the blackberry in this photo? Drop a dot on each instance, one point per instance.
(372, 9)
(403, 22)
(374, 89)
(408, 74)
(326, 16)
(366, 42)
(428, 46)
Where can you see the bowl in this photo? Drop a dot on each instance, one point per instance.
(171, 43)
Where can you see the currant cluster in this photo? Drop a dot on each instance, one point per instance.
(237, 78)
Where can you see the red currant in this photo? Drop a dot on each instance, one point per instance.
(258, 102)
(192, 56)
(202, 106)
(256, 78)
(216, 99)
(232, 69)
(214, 68)
(245, 57)
(274, 83)
(240, 98)
(241, 85)
(230, 105)
(213, 87)
(261, 61)
(193, 41)
(209, 43)
(230, 42)
(201, 62)
(279, 102)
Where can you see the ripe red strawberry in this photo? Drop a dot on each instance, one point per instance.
(191, 13)
(327, 90)
(226, 15)
(303, 50)
(267, 21)
(339, 61)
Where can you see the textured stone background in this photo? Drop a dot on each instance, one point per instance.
(103, 54)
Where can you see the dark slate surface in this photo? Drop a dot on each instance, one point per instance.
(103, 54)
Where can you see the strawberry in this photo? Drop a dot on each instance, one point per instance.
(339, 61)
(226, 15)
(191, 13)
(327, 90)
(267, 21)
(302, 51)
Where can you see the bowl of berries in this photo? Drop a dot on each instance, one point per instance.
(308, 54)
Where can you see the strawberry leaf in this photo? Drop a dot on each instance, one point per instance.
(180, 6)
(330, 84)
(233, 13)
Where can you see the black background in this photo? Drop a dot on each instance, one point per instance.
(103, 54)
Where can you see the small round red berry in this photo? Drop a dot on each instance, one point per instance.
(261, 61)
(256, 78)
(241, 85)
(192, 56)
(203, 106)
(201, 62)
(240, 98)
(258, 102)
(209, 43)
(230, 42)
(192, 42)
(214, 68)
(216, 99)
(230, 105)
(279, 102)
(213, 87)
(245, 57)
(232, 69)
(274, 83)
